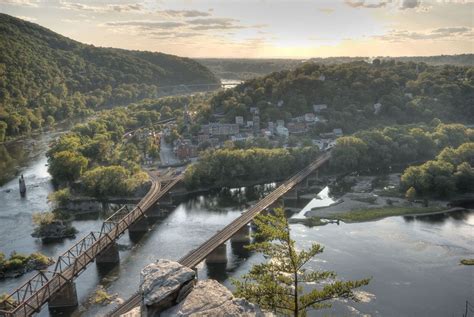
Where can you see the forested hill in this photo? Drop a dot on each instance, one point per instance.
(46, 77)
(357, 94)
(242, 68)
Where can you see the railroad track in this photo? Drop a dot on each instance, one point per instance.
(196, 256)
(32, 295)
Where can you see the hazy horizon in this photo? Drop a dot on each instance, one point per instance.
(261, 29)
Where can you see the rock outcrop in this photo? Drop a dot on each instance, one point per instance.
(162, 283)
(170, 289)
(209, 298)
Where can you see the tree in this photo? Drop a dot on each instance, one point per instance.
(67, 166)
(278, 284)
(410, 194)
(3, 130)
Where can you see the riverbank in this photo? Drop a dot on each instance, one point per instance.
(374, 214)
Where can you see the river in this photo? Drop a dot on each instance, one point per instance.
(413, 261)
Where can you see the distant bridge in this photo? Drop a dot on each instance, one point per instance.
(196, 256)
(57, 287)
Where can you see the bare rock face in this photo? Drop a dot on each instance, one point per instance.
(161, 283)
(209, 298)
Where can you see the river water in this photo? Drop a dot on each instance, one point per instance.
(413, 261)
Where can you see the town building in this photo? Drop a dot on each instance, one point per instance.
(282, 131)
(239, 120)
(296, 127)
(184, 149)
(254, 110)
(337, 132)
(220, 129)
(309, 117)
(320, 107)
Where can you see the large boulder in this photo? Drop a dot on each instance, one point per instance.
(209, 298)
(162, 282)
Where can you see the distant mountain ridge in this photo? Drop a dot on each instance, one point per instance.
(241, 68)
(45, 76)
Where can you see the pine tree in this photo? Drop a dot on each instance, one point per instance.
(277, 284)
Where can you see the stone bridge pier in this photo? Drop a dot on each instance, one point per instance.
(109, 256)
(138, 229)
(65, 299)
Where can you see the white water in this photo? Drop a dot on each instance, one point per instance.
(321, 200)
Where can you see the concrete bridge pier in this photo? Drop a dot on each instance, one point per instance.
(140, 225)
(242, 236)
(65, 299)
(109, 256)
(218, 256)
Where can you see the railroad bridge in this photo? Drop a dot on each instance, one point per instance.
(57, 287)
(214, 249)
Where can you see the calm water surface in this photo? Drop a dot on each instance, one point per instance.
(413, 262)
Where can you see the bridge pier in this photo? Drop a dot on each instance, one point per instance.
(109, 256)
(66, 298)
(242, 236)
(218, 256)
(138, 229)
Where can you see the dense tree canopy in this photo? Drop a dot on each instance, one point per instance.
(231, 167)
(377, 149)
(451, 172)
(407, 92)
(45, 77)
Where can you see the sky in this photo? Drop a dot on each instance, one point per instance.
(261, 28)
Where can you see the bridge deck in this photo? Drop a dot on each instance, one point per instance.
(197, 255)
(31, 296)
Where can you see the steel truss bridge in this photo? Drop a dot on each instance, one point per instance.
(38, 290)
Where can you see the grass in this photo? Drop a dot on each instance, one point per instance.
(100, 296)
(467, 261)
(309, 222)
(370, 214)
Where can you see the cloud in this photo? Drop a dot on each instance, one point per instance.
(76, 6)
(449, 33)
(409, 4)
(370, 4)
(23, 3)
(147, 25)
(173, 35)
(220, 24)
(184, 13)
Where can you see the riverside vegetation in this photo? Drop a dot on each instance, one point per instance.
(18, 264)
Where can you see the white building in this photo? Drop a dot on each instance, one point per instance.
(282, 131)
(280, 123)
(319, 108)
(239, 120)
(337, 132)
(309, 117)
